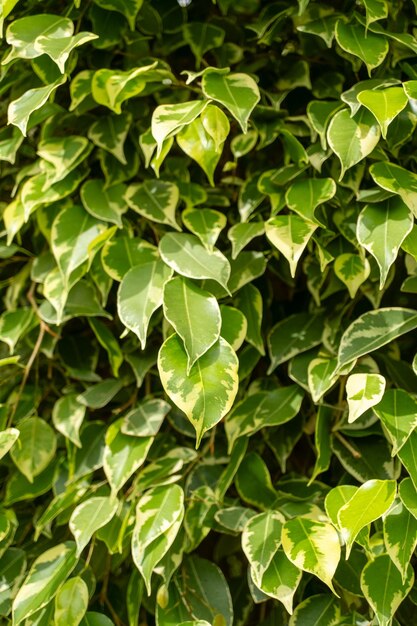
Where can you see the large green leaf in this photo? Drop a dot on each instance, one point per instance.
(373, 330)
(195, 316)
(304, 196)
(45, 577)
(20, 110)
(198, 393)
(140, 294)
(187, 256)
(383, 587)
(35, 448)
(354, 39)
(381, 229)
(312, 546)
(367, 504)
(71, 602)
(239, 93)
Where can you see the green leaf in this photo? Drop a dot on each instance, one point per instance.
(104, 203)
(352, 138)
(111, 88)
(375, 10)
(71, 602)
(249, 301)
(22, 34)
(261, 410)
(281, 579)
(320, 609)
(322, 442)
(261, 539)
(109, 343)
(140, 294)
(202, 37)
(146, 419)
(319, 113)
(73, 231)
(8, 438)
(185, 254)
(398, 413)
(110, 132)
(381, 229)
(397, 180)
(321, 376)
(385, 104)
(59, 49)
(206, 224)
(352, 270)
(14, 325)
(294, 334)
(304, 196)
(374, 329)
(159, 514)
(199, 394)
(97, 396)
(45, 577)
(128, 8)
(313, 547)
(290, 234)
(68, 415)
(238, 93)
(195, 316)
(198, 144)
(242, 234)
(234, 326)
(169, 119)
(123, 455)
(198, 591)
(89, 516)
(216, 125)
(354, 39)
(35, 448)
(13, 567)
(407, 492)
(120, 254)
(400, 536)
(20, 110)
(368, 503)
(363, 391)
(383, 588)
(154, 199)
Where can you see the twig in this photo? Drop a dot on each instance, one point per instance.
(348, 446)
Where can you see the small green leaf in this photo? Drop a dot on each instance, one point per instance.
(375, 10)
(261, 539)
(249, 301)
(198, 394)
(120, 254)
(290, 234)
(206, 224)
(398, 413)
(381, 229)
(154, 199)
(352, 138)
(397, 180)
(239, 93)
(186, 255)
(68, 415)
(384, 104)
(36, 447)
(194, 314)
(400, 536)
(104, 203)
(8, 438)
(383, 587)
(169, 119)
(352, 270)
(234, 326)
(110, 132)
(111, 88)
(202, 37)
(304, 196)
(128, 8)
(198, 144)
(320, 609)
(313, 547)
(71, 602)
(89, 516)
(159, 514)
(140, 294)
(146, 418)
(368, 503)
(363, 391)
(294, 334)
(242, 234)
(20, 110)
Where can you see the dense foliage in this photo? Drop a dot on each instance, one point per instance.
(208, 266)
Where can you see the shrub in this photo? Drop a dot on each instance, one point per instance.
(209, 269)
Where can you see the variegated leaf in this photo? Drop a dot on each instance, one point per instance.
(169, 119)
(398, 413)
(363, 391)
(400, 536)
(290, 234)
(239, 93)
(154, 199)
(281, 579)
(206, 224)
(199, 394)
(89, 516)
(261, 539)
